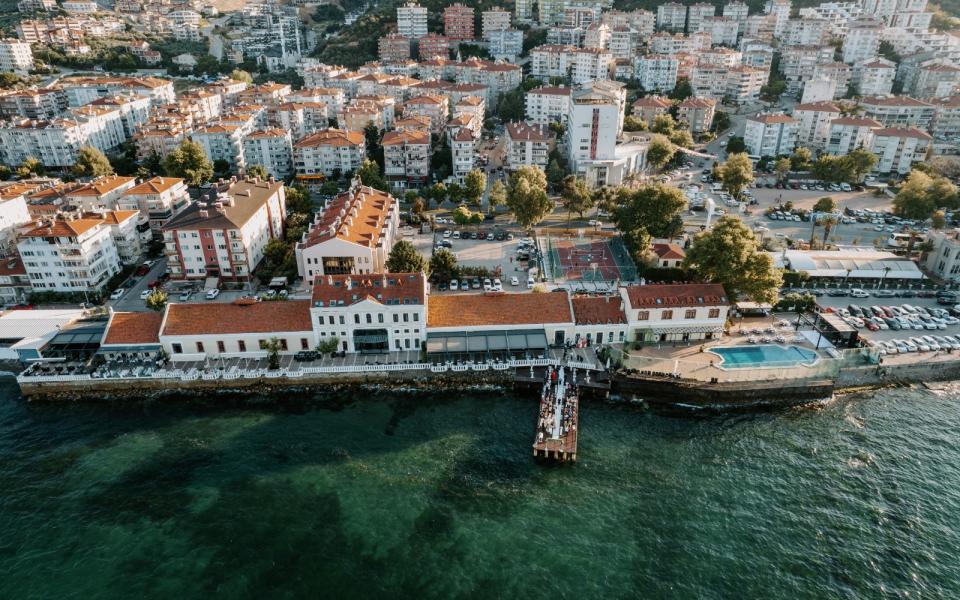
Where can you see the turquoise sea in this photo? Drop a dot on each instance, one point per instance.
(373, 495)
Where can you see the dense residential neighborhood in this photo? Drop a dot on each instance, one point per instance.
(562, 174)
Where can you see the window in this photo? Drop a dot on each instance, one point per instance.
(304, 344)
(221, 347)
(177, 349)
(667, 315)
(330, 320)
(396, 317)
(242, 346)
(369, 319)
(643, 315)
(341, 320)
(283, 344)
(714, 313)
(406, 317)
(416, 316)
(356, 319)
(380, 317)
(691, 313)
(199, 346)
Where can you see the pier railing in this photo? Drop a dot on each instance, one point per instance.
(228, 373)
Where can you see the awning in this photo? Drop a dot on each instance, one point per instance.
(688, 329)
(486, 341)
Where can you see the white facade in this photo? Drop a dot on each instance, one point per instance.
(944, 260)
(671, 16)
(15, 56)
(412, 20)
(158, 199)
(69, 256)
(770, 135)
(657, 72)
(862, 42)
(222, 142)
(371, 313)
(899, 148)
(591, 129)
(849, 133)
(548, 104)
(815, 119)
(270, 148)
(668, 313)
(326, 152)
(527, 145)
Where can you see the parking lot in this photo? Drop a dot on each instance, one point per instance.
(915, 317)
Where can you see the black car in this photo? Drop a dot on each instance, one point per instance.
(892, 323)
(838, 292)
(907, 294)
(306, 355)
(926, 294)
(946, 294)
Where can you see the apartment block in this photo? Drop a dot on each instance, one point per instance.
(222, 142)
(39, 104)
(69, 255)
(328, 152)
(815, 119)
(458, 22)
(433, 46)
(723, 30)
(15, 56)
(946, 123)
(671, 16)
(863, 41)
(412, 20)
(101, 194)
(495, 19)
(224, 235)
(270, 148)
(697, 113)
(406, 157)
(157, 200)
(528, 144)
(393, 47)
(657, 72)
(649, 108)
(874, 77)
(899, 148)
(547, 104)
(899, 111)
(505, 44)
(849, 133)
(771, 135)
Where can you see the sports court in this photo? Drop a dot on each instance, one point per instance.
(590, 259)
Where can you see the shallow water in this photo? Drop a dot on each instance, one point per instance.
(436, 496)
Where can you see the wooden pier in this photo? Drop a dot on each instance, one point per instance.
(556, 435)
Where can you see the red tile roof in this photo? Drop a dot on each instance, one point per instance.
(669, 251)
(528, 132)
(498, 309)
(911, 132)
(682, 294)
(156, 185)
(388, 288)
(598, 310)
(217, 318)
(134, 328)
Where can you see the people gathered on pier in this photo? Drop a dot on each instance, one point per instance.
(557, 407)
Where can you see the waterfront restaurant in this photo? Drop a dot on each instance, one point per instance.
(497, 325)
(132, 336)
(675, 312)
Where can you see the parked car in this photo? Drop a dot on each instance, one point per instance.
(514, 281)
(530, 283)
(212, 294)
(185, 296)
(144, 294)
(117, 294)
(454, 285)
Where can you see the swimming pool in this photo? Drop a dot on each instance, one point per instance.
(768, 355)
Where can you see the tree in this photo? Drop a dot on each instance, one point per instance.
(682, 90)
(273, 347)
(369, 173)
(156, 300)
(721, 121)
(730, 255)
(659, 152)
(736, 174)
(527, 196)
(418, 206)
(437, 192)
(607, 199)
(443, 266)
(330, 188)
(575, 196)
(773, 90)
(31, 166)
(939, 219)
(298, 200)
(498, 195)
(189, 162)
(404, 258)
(456, 192)
(663, 124)
(241, 75)
(828, 224)
(462, 215)
(91, 163)
(657, 208)
(631, 123)
(800, 159)
(511, 105)
(860, 163)
(921, 195)
(221, 166)
(782, 168)
(681, 138)
(258, 171)
(475, 183)
(736, 145)
(555, 174)
(825, 205)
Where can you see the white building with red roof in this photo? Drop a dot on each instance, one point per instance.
(771, 135)
(371, 313)
(157, 199)
(225, 235)
(899, 148)
(675, 312)
(270, 148)
(849, 133)
(69, 255)
(548, 104)
(352, 235)
(329, 151)
(100, 194)
(241, 329)
(815, 119)
(406, 157)
(528, 144)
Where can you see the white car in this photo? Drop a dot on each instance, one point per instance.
(454, 285)
(144, 294)
(447, 233)
(931, 342)
(858, 293)
(514, 281)
(497, 285)
(903, 347)
(529, 283)
(487, 285)
(920, 344)
(212, 294)
(456, 235)
(594, 223)
(117, 294)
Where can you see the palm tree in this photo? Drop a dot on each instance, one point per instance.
(828, 224)
(813, 228)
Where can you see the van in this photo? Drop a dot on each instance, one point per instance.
(716, 187)
(529, 283)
